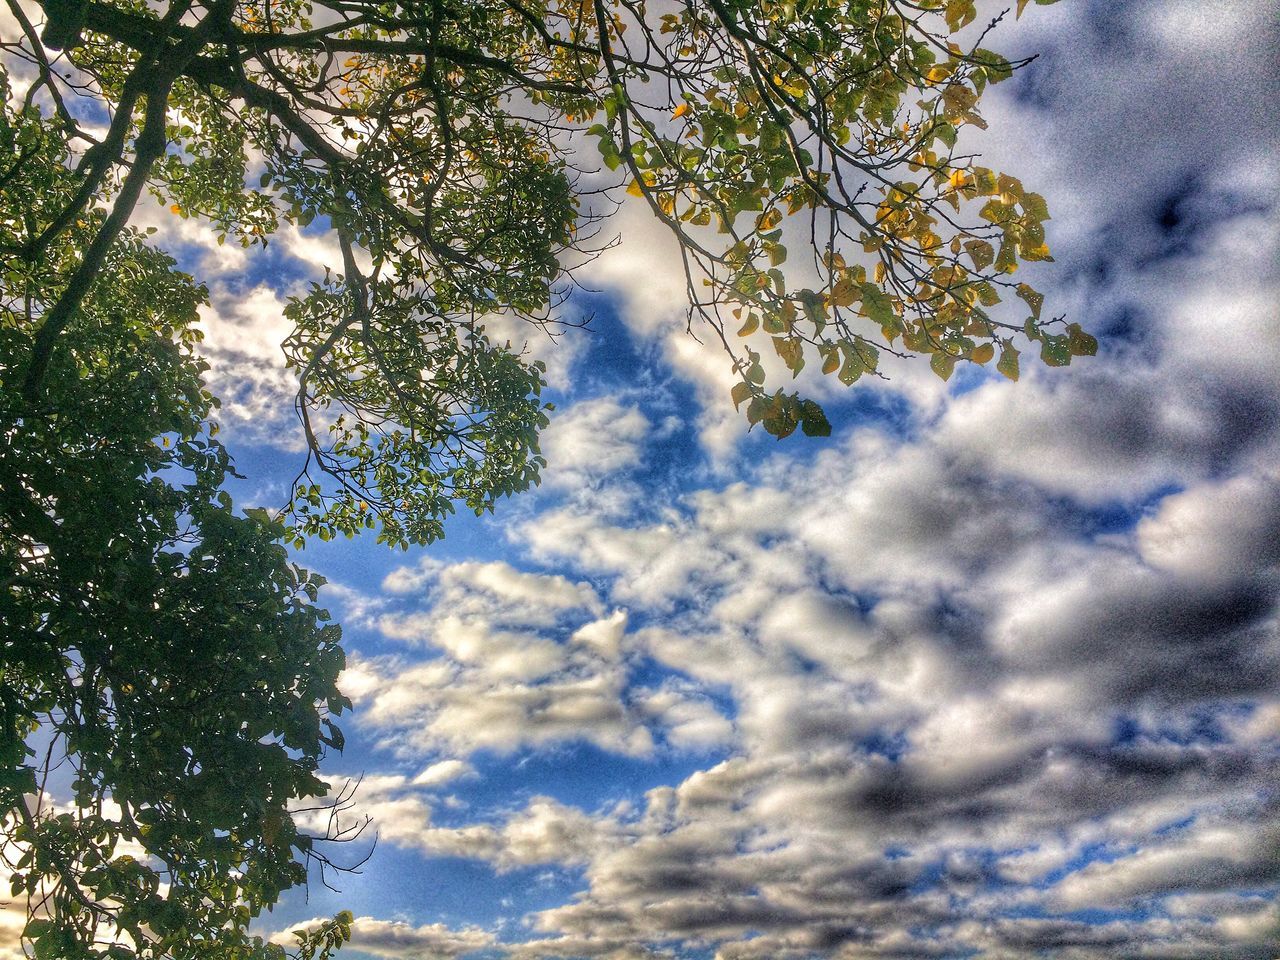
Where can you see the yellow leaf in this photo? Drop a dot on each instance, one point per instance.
(1040, 252)
(635, 189)
(844, 293)
(982, 353)
(680, 111)
(175, 209)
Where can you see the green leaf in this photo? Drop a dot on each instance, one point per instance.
(1055, 350)
(1007, 258)
(813, 420)
(877, 306)
(851, 370)
(812, 304)
(1008, 363)
(1033, 298)
(981, 253)
(781, 415)
(37, 928)
(960, 13)
(943, 364)
(1081, 344)
(1035, 207)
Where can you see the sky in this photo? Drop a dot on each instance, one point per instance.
(993, 671)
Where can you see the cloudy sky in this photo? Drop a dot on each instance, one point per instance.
(993, 670)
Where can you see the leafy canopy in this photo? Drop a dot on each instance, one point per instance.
(445, 141)
(807, 155)
(162, 653)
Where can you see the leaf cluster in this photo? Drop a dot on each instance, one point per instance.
(161, 650)
(437, 141)
(807, 155)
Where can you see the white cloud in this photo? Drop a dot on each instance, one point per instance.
(542, 832)
(1216, 532)
(244, 330)
(495, 591)
(443, 707)
(603, 636)
(592, 439)
(952, 688)
(690, 721)
(1206, 857)
(442, 772)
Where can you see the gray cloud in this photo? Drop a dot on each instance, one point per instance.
(1021, 664)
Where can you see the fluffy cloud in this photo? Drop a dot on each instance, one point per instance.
(592, 439)
(443, 772)
(514, 659)
(964, 707)
(1218, 532)
(1004, 683)
(444, 707)
(1212, 857)
(494, 591)
(941, 724)
(542, 832)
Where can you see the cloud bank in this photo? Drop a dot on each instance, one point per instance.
(999, 678)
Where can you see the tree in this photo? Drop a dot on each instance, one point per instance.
(441, 138)
(162, 651)
(164, 644)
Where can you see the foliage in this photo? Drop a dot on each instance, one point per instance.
(444, 138)
(160, 650)
(164, 645)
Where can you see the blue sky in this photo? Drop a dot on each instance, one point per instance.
(993, 671)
